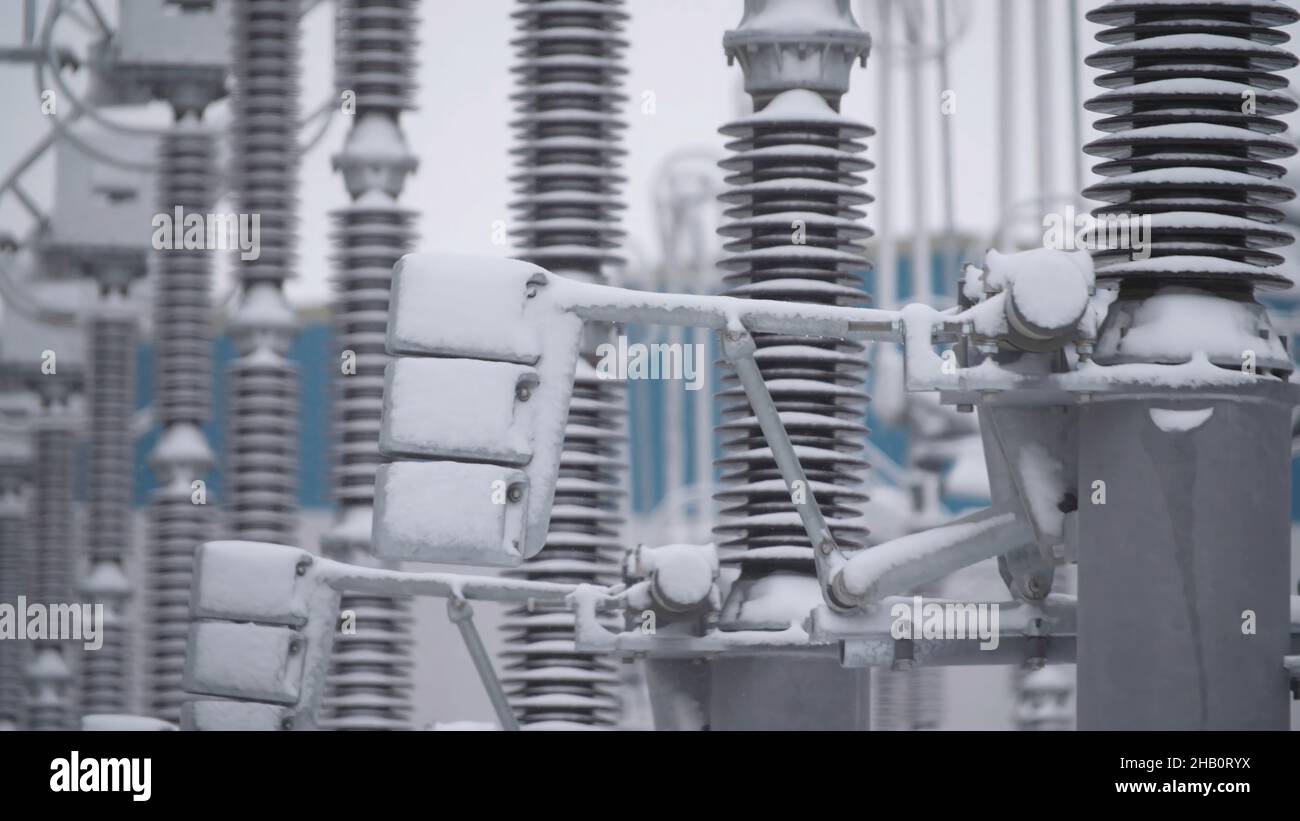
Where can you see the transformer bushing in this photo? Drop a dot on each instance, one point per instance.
(370, 675)
(15, 570)
(794, 228)
(181, 513)
(261, 468)
(568, 134)
(1183, 563)
(53, 581)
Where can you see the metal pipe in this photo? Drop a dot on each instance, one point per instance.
(462, 615)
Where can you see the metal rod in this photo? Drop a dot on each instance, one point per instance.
(462, 615)
(600, 303)
(738, 347)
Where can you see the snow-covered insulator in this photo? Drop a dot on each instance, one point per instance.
(182, 302)
(1192, 139)
(56, 555)
(180, 513)
(178, 524)
(261, 461)
(106, 673)
(15, 570)
(369, 684)
(375, 53)
(105, 680)
(262, 429)
(264, 132)
(568, 132)
(794, 223)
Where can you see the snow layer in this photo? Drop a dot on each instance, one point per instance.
(1178, 421)
(457, 408)
(450, 512)
(250, 580)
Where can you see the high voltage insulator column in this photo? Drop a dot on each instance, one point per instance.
(261, 472)
(370, 676)
(568, 134)
(1184, 535)
(794, 225)
(53, 580)
(181, 513)
(112, 337)
(15, 568)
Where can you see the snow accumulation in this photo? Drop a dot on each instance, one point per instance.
(245, 660)
(472, 306)
(250, 580)
(449, 507)
(457, 408)
(1049, 287)
(867, 568)
(1180, 421)
(1176, 321)
(683, 573)
(779, 598)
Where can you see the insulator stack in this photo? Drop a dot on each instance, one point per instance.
(794, 224)
(262, 459)
(370, 677)
(53, 663)
(181, 513)
(106, 673)
(569, 130)
(15, 571)
(1191, 144)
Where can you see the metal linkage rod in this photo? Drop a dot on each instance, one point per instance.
(370, 675)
